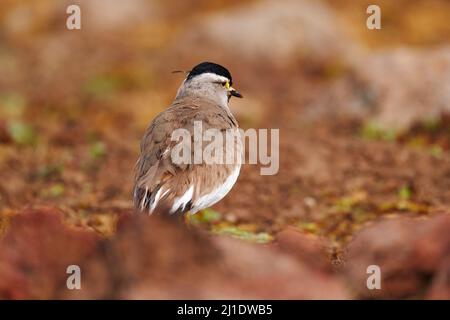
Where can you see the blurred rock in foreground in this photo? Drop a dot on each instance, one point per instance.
(36, 251)
(413, 255)
(151, 257)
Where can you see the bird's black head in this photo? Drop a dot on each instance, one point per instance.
(210, 67)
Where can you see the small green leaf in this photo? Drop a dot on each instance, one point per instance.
(22, 133)
(436, 151)
(310, 227)
(236, 232)
(373, 131)
(54, 191)
(97, 150)
(206, 216)
(404, 192)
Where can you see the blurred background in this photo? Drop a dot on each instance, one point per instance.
(364, 149)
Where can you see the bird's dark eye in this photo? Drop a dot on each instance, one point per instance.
(226, 84)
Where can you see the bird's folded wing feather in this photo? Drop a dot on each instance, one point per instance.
(157, 176)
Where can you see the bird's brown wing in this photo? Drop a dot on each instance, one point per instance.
(158, 180)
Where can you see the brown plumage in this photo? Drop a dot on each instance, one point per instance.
(155, 170)
(162, 182)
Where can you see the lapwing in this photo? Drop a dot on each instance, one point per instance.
(165, 185)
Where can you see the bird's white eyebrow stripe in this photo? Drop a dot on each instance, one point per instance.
(211, 76)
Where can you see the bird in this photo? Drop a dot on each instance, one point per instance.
(166, 186)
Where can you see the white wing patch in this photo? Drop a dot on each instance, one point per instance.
(158, 196)
(181, 202)
(217, 194)
(144, 198)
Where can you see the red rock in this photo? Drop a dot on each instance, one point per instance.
(155, 257)
(306, 248)
(35, 253)
(411, 253)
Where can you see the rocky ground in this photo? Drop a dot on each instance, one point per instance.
(364, 173)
